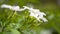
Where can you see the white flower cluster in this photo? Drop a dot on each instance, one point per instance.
(36, 13)
(33, 12)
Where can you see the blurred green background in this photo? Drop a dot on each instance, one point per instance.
(21, 23)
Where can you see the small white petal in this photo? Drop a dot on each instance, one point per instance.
(6, 6)
(16, 8)
(25, 7)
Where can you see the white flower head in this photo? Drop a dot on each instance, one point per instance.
(14, 8)
(6, 6)
(36, 13)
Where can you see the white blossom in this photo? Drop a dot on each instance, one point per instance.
(6, 6)
(14, 8)
(36, 13)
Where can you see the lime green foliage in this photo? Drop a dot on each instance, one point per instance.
(12, 22)
(19, 21)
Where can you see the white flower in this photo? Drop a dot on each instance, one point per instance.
(14, 8)
(36, 13)
(6, 6)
